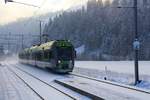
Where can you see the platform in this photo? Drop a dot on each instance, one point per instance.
(99, 89)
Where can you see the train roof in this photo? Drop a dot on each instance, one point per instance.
(47, 46)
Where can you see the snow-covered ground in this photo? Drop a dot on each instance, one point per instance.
(116, 66)
(46, 76)
(12, 88)
(106, 91)
(117, 71)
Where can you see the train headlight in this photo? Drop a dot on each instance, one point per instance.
(59, 61)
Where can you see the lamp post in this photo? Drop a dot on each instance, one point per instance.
(8, 1)
(21, 3)
(136, 43)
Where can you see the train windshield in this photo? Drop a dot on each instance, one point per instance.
(64, 53)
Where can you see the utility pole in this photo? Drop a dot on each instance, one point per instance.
(40, 32)
(9, 41)
(45, 36)
(22, 37)
(136, 43)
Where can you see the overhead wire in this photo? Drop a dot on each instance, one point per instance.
(35, 13)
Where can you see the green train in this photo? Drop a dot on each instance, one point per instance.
(57, 55)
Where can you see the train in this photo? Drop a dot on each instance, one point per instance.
(57, 55)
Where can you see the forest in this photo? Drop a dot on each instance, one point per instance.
(105, 29)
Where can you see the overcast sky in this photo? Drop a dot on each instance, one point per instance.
(11, 11)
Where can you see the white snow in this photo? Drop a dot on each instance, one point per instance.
(45, 91)
(46, 76)
(106, 91)
(116, 71)
(12, 88)
(116, 66)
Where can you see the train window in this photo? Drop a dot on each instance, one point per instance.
(46, 55)
(32, 56)
(28, 55)
(50, 54)
(39, 56)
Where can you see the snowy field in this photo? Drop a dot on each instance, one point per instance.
(117, 71)
(116, 66)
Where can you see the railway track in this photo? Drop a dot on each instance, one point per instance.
(96, 86)
(73, 98)
(84, 92)
(27, 84)
(112, 83)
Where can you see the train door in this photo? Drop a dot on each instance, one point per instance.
(53, 60)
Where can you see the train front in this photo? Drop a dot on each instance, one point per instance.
(65, 54)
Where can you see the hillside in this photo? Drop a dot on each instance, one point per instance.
(107, 32)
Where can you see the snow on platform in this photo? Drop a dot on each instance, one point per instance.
(12, 88)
